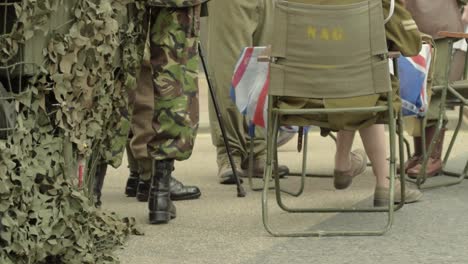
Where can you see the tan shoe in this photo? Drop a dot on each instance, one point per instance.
(259, 169)
(343, 179)
(226, 175)
(381, 195)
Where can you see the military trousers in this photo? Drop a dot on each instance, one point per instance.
(232, 26)
(165, 108)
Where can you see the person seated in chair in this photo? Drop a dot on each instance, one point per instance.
(402, 35)
(433, 16)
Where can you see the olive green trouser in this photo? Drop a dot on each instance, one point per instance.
(233, 25)
(412, 124)
(165, 102)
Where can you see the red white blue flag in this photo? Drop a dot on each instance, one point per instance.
(249, 89)
(413, 74)
(250, 83)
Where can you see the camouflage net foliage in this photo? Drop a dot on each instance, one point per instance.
(78, 95)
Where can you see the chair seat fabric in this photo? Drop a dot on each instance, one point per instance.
(337, 122)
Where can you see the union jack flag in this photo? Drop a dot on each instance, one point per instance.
(413, 74)
(250, 82)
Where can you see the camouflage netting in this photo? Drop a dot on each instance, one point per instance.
(78, 98)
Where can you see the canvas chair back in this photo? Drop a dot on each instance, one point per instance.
(329, 49)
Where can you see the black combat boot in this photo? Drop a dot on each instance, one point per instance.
(132, 184)
(101, 171)
(161, 208)
(143, 190)
(178, 190)
(134, 177)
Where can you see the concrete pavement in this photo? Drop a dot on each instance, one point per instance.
(221, 228)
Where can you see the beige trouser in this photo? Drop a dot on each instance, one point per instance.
(142, 130)
(233, 25)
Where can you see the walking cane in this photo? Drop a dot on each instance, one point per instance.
(240, 188)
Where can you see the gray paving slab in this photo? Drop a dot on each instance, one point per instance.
(221, 228)
(432, 231)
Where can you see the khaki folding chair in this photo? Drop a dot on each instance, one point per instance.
(322, 52)
(452, 94)
(303, 140)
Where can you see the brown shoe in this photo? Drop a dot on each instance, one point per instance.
(434, 167)
(434, 164)
(411, 162)
(343, 179)
(415, 159)
(381, 195)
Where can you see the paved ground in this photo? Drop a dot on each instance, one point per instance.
(221, 228)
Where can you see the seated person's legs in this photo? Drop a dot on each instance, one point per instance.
(425, 21)
(434, 165)
(374, 141)
(348, 164)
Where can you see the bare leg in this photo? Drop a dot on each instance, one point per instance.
(373, 138)
(374, 141)
(344, 142)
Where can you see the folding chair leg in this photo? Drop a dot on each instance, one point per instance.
(332, 137)
(271, 168)
(304, 168)
(287, 208)
(250, 173)
(422, 177)
(251, 164)
(251, 168)
(408, 148)
(303, 173)
(401, 140)
(462, 175)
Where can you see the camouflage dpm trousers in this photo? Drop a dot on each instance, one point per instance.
(173, 41)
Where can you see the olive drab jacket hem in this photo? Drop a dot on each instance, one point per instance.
(175, 3)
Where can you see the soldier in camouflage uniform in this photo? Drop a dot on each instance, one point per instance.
(168, 78)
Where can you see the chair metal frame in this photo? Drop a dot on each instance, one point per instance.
(303, 174)
(446, 88)
(272, 165)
